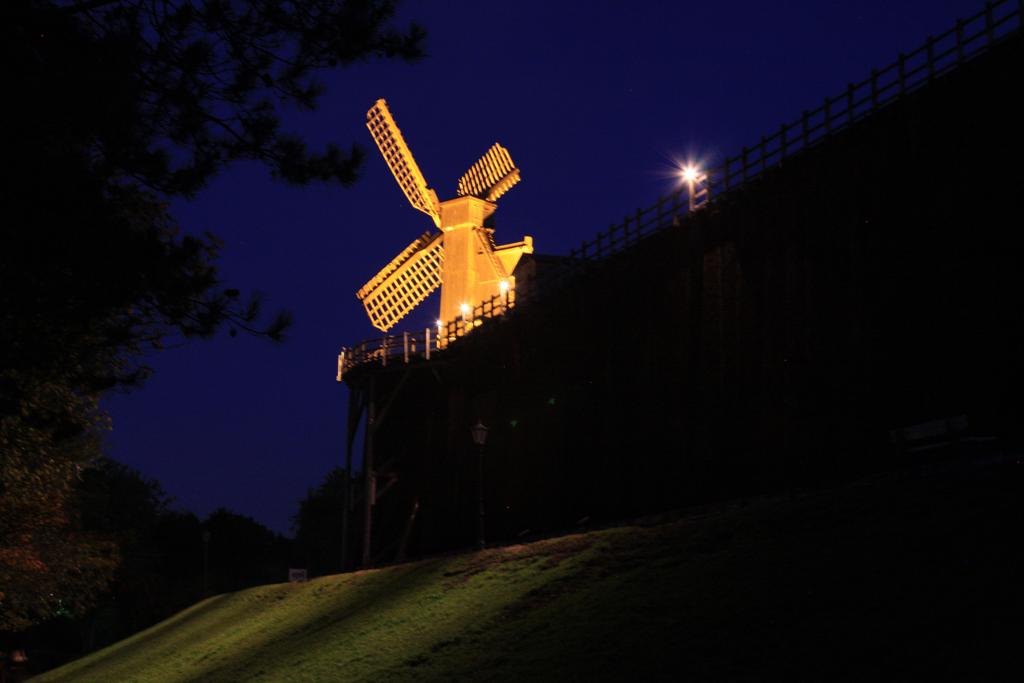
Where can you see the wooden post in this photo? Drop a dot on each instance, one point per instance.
(404, 543)
(695, 313)
(369, 485)
(384, 350)
(720, 296)
(426, 336)
(405, 343)
(354, 409)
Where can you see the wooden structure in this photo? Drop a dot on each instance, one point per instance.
(813, 308)
(462, 259)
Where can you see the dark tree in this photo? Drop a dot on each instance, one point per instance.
(166, 92)
(118, 503)
(317, 525)
(158, 574)
(113, 107)
(243, 552)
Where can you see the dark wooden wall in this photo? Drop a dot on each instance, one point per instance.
(770, 341)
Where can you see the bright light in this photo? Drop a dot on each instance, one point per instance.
(465, 311)
(690, 173)
(503, 286)
(440, 324)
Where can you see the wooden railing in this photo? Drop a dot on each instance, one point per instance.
(938, 55)
(401, 348)
(911, 71)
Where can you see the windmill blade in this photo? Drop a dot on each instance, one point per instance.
(402, 284)
(485, 239)
(490, 177)
(400, 160)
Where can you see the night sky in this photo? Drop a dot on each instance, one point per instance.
(593, 105)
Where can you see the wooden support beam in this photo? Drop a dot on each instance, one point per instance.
(404, 543)
(355, 412)
(391, 401)
(368, 474)
(380, 493)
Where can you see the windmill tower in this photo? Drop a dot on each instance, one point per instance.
(462, 258)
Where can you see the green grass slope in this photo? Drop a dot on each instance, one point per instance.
(904, 575)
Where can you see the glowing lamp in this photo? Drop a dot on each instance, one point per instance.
(691, 173)
(479, 433)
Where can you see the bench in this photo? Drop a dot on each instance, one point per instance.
(926, 436)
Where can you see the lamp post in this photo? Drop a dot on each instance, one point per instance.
(694, 177)
(503, 289)
(479, 434)
(690, 176)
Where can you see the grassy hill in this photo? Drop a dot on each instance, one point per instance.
(899, 576)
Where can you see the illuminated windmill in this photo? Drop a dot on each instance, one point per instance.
(462, 259)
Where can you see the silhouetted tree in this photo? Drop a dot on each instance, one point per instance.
(118, 503)
(49, 565)
(159, 572)
(113, 107)
(166, 92)
(317, 525)
(243, 552)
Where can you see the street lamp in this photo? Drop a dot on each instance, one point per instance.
(479, 434)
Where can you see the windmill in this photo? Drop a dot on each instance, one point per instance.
(460, 256)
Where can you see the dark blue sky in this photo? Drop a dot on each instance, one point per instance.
(593, 105)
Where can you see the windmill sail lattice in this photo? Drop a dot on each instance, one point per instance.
(462, 259)
(399, 158)
(490, 177)
(401, 285)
